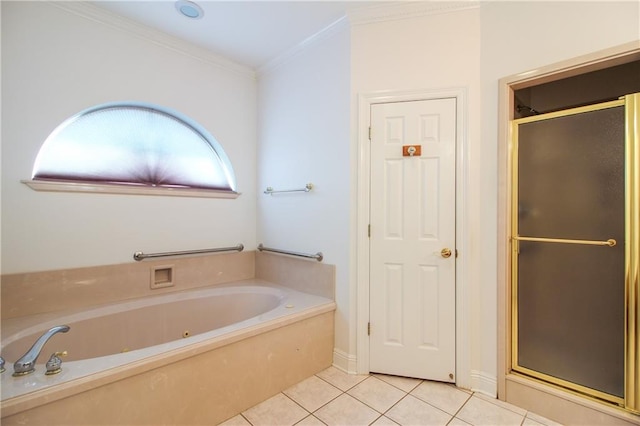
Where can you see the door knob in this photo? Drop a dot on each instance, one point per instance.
(445, 252)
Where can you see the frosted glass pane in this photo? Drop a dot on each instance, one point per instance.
(134, 144)
(571, 313)
(571, 176)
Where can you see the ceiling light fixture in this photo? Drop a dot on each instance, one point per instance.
(189, 9)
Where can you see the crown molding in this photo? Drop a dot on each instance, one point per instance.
(407, 9)
(324, 34)
(115, 21)
(368, 15)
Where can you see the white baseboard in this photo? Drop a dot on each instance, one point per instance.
(344, 361)
(486, 384)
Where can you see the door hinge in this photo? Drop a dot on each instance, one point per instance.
(369, 132)
(369, 329)
(369, 230)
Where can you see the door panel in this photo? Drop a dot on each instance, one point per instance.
(412, 287)
(570, 295)
(571, 176)
(571, 313)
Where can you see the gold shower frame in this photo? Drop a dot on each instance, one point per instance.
(631, 400)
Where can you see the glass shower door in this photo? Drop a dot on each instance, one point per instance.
(569, 249)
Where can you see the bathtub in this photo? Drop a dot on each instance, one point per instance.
(154, 343)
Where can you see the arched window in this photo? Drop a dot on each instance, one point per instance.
(133, 147)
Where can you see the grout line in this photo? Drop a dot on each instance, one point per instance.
(311, 415)
(296, 402)
(328, 402)
(241, 415)
(365, 404)
(376, 419)
(391, 408)
(331, 384)
(344, 391)
(388, 375)
(374, 409)
(461, 407)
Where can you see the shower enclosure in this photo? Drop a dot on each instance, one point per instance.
(574, 240)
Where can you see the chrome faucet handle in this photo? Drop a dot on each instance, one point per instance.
(54, 365)
(2, 369)
(27, 364)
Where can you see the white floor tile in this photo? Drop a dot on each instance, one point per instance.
(376, 394)
(384, 421)
(340, 379)
(406, 384)
(480, 412)
(441, 395)
(457, 422)
(412, 411)
(528, 422)
(236, 421)
(346, 410)
(278, 410)
(312, 393)
(310, 421)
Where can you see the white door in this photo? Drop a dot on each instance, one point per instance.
(412, 281)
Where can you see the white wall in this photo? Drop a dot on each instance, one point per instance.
(474, 49)
(439, 51)
(303, 138)
(552, 32)
(55, 64)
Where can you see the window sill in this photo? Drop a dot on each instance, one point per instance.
(105, 188)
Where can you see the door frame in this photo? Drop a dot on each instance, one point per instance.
(530, 394)
(463, 326)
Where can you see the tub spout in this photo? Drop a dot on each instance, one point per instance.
(27, 363)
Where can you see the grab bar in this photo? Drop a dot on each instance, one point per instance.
(270, 191)
(318, 256)
(610, 242)
(140, 255)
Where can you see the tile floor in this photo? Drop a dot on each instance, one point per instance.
(333, 397)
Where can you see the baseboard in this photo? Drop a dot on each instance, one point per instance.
(344, 361)
(564, 406)
(486, 384)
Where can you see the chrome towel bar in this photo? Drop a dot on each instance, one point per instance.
(270, 191)
(141, 256)
(318, 256)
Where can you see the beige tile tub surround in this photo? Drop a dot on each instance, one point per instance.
(308, 276)
(49, 291)
(207, 388)
(202, 384)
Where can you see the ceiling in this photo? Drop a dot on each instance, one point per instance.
(251, 33)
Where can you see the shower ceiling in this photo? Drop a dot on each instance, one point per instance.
(248, 32)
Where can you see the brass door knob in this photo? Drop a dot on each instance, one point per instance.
(445, 252)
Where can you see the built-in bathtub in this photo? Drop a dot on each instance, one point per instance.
(193, 357)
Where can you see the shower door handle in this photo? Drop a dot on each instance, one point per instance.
(610, 242)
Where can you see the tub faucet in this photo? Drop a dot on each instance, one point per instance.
(27, 364)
